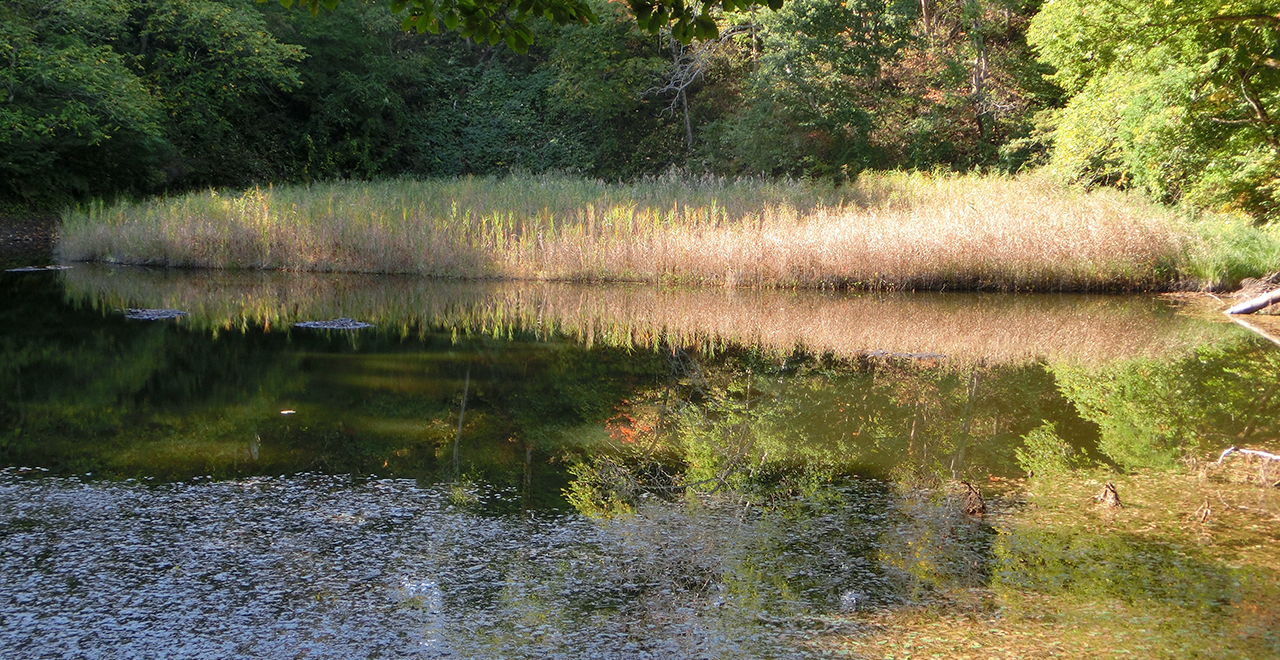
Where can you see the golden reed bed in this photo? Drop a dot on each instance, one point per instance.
(887, 231)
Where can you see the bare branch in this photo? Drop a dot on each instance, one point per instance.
(1250, 452)
(1243, 18)
(690, 63)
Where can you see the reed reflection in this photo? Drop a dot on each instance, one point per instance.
(990, 328)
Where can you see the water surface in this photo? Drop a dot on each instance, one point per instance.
(530, 470)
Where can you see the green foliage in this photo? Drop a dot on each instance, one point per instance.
(1044, 452)
(600, 67)
(378, 103)
(112, 96)
(490, 21)
(810, 105)
(216, 67)
(506, 21)
(966, 89)
(597, 76)
(75, 118)
(108, 97)
(1175, 98)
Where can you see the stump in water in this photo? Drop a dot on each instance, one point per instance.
(1109, 497)
(973, 504)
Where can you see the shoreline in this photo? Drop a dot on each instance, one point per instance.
(27, 237)
(1173, 287)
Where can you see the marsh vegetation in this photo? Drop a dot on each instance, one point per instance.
(888, 231)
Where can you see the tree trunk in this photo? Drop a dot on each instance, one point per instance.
(688, 123)
(980, 73)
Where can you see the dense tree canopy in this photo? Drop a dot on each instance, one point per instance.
(1178, 98)
(108, 97)
(505, 20)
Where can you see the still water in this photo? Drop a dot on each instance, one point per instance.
(529, 470)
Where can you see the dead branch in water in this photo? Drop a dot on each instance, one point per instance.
(1109, 497)
(1250, 452)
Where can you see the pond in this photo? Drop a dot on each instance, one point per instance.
(524, 470)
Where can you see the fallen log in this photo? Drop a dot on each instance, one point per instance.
(1254, 304)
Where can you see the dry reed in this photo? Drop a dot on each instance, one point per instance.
(887, 231)
(964, 327)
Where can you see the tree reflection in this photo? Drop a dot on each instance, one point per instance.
(1151, 413)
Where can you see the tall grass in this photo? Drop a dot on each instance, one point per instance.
(965, 328)
(895, 231)
(1224, 250)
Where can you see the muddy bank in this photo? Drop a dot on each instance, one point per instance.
(27, 239)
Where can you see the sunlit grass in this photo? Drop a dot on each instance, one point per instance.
(1225, 250)
(886, 231)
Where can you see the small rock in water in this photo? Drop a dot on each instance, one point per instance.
(36, 269)
(152, 314)
(343, 323)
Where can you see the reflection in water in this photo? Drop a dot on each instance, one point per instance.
(486, 390)
(625, 471)
(964, 327)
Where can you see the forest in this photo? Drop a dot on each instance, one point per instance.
(128, 98)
